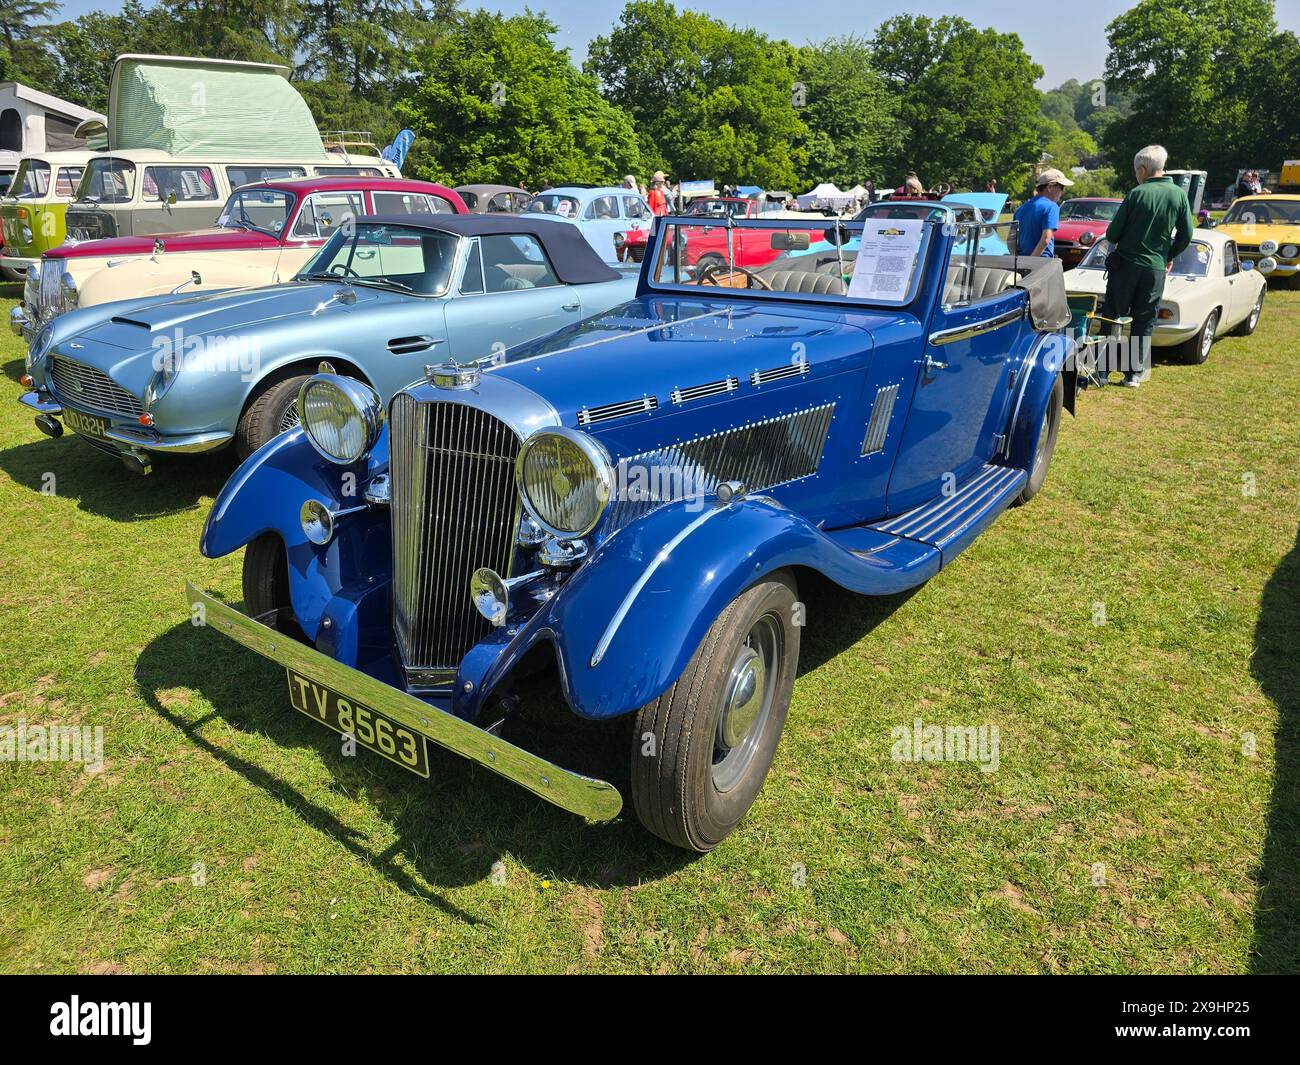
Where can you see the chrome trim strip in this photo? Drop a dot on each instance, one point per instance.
(660, 558)
(593, 799)
(621, 409)
(973, 329)
(33, 401)
(191, 444)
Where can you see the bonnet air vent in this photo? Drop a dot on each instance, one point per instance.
(878, 426)
(608, 411)
(713, 388)
(129, 321)
(790, 369)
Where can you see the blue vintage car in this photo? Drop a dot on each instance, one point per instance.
(635, 501)
(603, 215)
(383, 297)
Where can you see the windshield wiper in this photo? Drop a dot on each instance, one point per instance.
(381, 282)
(321, 276)
(244, 223)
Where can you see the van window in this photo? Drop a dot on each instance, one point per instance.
(349, 171)
(410, 203)
(68, 180)
(188, 183)
(324, 212)
(250, 174)
(32, 180)
(108, 180)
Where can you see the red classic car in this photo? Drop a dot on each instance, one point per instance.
(1083, 223)
(632, 248)
(263, 235)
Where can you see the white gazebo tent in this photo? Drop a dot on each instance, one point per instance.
(825, 196)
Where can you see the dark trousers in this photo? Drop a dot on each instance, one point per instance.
(1135, 291)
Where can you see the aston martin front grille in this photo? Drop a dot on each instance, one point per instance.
(80, 385)
(454, 508)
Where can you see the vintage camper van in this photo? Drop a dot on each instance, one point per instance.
(183, 133)
(31, 123)
(32, 210)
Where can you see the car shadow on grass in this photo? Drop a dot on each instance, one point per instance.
(1277, 646)
(837, 618)
(452, 829)
(14, 370)
(100, 484)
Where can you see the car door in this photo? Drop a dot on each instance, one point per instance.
(507, 293)
(600, 221)
(952, 425)
(177, 197)
(1241, 293)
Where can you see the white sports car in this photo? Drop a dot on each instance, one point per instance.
(1209, 292)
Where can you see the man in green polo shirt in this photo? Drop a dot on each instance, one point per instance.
(1151, 227)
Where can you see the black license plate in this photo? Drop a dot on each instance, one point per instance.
(371, 729)
(86, 424)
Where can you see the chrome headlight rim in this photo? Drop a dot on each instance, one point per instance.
(602, 468)
(1087, 238)
(1289, 251)
(366, 407)
(68, 295)
(39, 352)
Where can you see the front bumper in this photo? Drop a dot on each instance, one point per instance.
(593, 799)
(20, 263)
(131, 438)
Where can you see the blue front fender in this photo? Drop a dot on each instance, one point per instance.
(627, 623)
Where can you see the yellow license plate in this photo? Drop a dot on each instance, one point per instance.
(371, 729)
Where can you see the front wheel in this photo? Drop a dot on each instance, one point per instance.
(1046, 443)
(266, 585)
(701, 750)
(274, 410)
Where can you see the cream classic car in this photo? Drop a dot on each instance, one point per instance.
(1209, 292)
(265, 233)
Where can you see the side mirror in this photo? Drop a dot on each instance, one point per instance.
(791, 240)
(171, 199)
(836, 236)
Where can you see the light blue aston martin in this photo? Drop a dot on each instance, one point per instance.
(383, 298)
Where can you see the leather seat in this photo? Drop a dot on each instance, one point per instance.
(988, 281)
(805, 281)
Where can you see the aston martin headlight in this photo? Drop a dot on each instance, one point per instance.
(67, 293)
(40, 348)
(340, 416)
(1289, 251)
(566, 480)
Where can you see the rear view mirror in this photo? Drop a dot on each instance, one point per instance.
(791, 240)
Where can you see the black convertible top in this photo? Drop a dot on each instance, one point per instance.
(574, 260)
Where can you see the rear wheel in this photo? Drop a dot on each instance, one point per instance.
(1046, 446)
(1197, 350)
(274, 410)
(702, 749)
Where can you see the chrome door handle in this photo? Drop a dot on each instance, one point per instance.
(570, 306)
(933, 366)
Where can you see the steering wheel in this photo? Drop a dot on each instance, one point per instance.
(342, 270)
(709, 276)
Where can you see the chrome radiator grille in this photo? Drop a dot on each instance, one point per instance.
(454, 508)
(47, 292)
(83, 386)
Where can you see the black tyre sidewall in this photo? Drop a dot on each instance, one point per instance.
(260, 421)
(1052, 424)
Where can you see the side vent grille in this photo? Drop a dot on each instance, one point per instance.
(713, 388)
(609, 411)
(776, 373)
(409, 345)
(878, 425)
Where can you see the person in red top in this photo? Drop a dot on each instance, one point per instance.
(656, 198)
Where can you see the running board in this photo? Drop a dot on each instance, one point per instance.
(950, 523)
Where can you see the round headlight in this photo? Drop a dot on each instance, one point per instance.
(27, 234)
(1289, 251)
(340, 416)
(40, 348)
(566, 480)
(1087, 238)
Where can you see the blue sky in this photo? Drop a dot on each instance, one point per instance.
(1066, 40)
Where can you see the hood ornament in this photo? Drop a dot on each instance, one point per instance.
(453, 375)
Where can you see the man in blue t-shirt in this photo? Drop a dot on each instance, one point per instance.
(1040, 216)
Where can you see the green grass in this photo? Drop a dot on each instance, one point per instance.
(1121, 744)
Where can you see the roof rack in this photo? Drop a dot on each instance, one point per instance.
(354, 141)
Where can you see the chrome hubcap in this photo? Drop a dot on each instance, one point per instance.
(1208, 342)
(746, 701)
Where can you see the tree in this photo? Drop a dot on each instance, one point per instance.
(709, 100)
(967, 100)
(853, 128)
(1198, 72)
(493, 99)
(23, 36)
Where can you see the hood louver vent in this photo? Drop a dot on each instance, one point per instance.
(793, 369)
(713, 388)
(608, 411)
